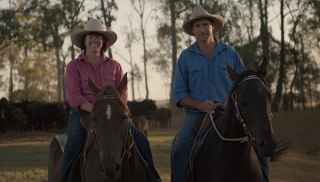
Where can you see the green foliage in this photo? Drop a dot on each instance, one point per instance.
(37, 75)
(9, 25)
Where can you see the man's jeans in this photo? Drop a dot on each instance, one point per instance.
(76, 139)
(182, 146)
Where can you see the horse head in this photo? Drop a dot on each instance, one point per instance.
(250, 103)
(109, 123)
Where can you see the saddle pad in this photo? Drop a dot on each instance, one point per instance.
(62, 141)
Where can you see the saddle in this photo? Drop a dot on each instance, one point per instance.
(62, 141)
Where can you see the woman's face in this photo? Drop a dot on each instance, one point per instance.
(93, 43)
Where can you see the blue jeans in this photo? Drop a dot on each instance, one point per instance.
(77, 137)
(182, 146)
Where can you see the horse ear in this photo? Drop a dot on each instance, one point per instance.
(123, 83)
(93, 87)
(233, 75)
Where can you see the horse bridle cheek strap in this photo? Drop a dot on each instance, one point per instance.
(239, 115)
(248, 136)
(226, 139)
(126, 151)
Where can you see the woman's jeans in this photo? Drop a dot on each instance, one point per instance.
(77, 137)
(182, 146)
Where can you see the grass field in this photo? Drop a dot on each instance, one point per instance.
(24, 157)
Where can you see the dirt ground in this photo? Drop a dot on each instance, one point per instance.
(23, 157)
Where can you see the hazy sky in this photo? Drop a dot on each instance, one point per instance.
(158, 84)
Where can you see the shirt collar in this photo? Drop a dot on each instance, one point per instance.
(218, 48)
(81, 57)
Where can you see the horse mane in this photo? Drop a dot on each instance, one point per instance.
(244, 75)
(241, 77)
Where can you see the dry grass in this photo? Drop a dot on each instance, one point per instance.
(24, 157)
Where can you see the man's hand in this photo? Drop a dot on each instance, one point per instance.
(203, 106)
(86, 107)
(207, 106)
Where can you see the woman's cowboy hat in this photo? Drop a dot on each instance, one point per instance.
(199, 13)
(92, 26)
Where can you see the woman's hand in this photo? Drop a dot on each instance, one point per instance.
(86, 107)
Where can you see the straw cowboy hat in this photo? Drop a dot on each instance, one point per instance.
(200, 13)
(92, 26)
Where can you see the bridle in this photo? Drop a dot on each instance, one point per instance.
(239, 116)
(125, 150)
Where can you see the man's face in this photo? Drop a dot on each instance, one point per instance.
(203, 30)
(93, 43)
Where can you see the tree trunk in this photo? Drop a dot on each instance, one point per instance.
(59, 74)
(132, 73)
(73, 54)
(145, 69)
(12, 60)
(264, 35)
(301, 78)
(107, 21)
(173, 48)
(281, 77)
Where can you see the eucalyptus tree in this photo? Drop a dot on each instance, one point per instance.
(12, 37)
(72, 9)
(141, 9)
(51, 34)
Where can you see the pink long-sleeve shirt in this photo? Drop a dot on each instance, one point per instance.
(79, 71)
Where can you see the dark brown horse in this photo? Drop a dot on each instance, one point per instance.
(229, 144)
(110, 154)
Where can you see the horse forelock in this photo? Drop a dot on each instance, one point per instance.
(110, 93)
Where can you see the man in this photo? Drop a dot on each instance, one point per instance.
(202, 83)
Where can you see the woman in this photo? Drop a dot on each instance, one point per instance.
(94, 40)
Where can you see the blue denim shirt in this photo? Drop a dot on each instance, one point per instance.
(203, 79)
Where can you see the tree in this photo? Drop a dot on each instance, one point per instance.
(51, 35)
(279, 88)
(36, 75)
(131, 38)
(139, 7)
(71, 16)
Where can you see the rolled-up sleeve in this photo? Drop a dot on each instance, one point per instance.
(74, 97)
(181, 84)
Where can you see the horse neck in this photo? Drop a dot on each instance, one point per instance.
(229, 123)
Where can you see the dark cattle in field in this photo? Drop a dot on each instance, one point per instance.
(142, 124)
(31, 115)
(12, 118)
(141, 112)
(163, 117)
(45, 116)
(143, 108)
